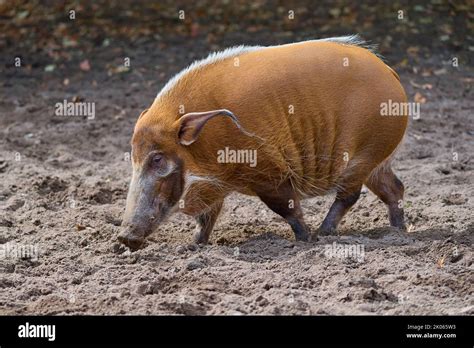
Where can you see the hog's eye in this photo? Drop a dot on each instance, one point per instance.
(159, 165)
(156, 160)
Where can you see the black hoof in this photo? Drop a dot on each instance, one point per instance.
(133, 242)
(326, 232)
(302, 237)
(200, 238)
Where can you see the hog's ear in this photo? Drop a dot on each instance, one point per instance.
(143, 113)
(191, 124)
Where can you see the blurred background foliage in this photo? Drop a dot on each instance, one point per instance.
(429, 31)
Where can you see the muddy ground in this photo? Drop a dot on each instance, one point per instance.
(63, 184)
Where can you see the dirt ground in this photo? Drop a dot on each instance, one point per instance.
(63, 184)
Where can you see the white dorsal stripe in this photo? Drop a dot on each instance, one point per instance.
(354, 40)
(211, 58)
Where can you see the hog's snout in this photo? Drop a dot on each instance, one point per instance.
(131, 239)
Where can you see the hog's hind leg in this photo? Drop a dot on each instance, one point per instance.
(385, 184)
(348, 189)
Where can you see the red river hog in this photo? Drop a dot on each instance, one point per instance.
(282, 123)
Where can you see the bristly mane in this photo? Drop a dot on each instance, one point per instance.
(352, 40)
(210, 59)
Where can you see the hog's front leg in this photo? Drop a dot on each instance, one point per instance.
(205, 223)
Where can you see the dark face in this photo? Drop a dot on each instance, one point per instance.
(156, 187)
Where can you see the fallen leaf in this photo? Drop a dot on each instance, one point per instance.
(118, 70)
(423, 86)
(49, 68)
(22, 14)
(426, 73)
(444, 37)
(77, 99)
(403, 63)
(413, 50)
(85, 65)
(414, 84)
(194, 29)
(440, 72)
(441, 262)
(68, 42)
(419, 98)
(335, 12)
